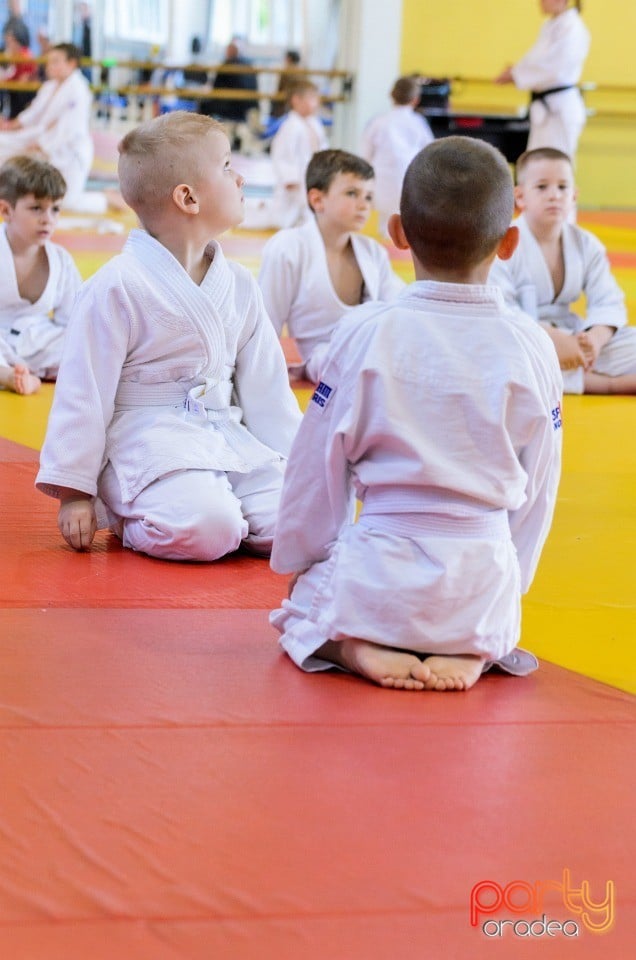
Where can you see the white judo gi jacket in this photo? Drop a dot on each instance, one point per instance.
(161, 375)
(526, 281)
(297, 289)
(33, 333)
(556, 60)
(441, 413)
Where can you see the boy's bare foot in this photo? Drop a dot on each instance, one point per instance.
(385, 666)
(453, 673)
(21, 380)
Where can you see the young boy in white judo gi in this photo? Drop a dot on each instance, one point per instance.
(173, 405)
(389, 143)
(39, 278)
(57, 125)
(555, 263)
(313, 275)
(300, 135)
(441, 413)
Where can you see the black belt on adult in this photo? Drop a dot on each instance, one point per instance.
(542, 94)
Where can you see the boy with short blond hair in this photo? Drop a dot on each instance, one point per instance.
(40, 279)
(440, 411)
(173, 415)
(313, 275)
(555, 263)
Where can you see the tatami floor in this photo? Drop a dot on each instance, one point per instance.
(173, 788)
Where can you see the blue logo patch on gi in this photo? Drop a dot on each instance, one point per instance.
(556, 417)
(322, 394)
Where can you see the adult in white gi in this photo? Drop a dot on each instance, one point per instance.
(389, 143)
(299, 294)
(526, 281)
(172, 405)
(551, 70)
(300, 135)
(33, 332)
(441, 413)
(57, 124)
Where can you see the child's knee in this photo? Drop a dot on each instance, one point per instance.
(204, 535)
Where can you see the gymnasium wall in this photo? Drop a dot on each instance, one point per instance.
(475, 39)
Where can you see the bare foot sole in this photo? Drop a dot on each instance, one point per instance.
(385, 666)
(453, 673)
(24, 382)
(116, 201)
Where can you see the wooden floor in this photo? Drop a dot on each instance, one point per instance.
(174, 788)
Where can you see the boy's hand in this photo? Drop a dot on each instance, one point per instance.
(568, 348)
(77, 522)
(588, 349)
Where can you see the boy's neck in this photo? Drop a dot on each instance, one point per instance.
(545, 232)
(25, 251)
(470, 275)
(189, 251)
(332, 236)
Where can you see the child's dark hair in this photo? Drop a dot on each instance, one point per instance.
(457, 202)
(70, 51)
(327, 164)
(23, 175)
(540, 153)
(405, 90)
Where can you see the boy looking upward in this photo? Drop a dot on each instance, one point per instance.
(173, 415)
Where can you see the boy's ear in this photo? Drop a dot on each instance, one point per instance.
(396, 232)
(314, 199)
(508, 243)
(184, 198)
(5, 209)
(519, 200)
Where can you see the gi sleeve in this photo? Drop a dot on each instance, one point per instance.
(605, 299)
(261, 383)
(279, 280)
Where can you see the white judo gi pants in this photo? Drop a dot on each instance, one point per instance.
(616, 358)
(196, 514)
(418, 582)
(558, 122)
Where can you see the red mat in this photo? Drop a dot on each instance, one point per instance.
(172, 787)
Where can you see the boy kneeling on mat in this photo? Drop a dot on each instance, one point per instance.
(440, 411)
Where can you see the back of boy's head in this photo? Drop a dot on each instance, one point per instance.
(325, 165)
(540, 153)
(161, 153)
(457, 202)
(23, 176)
(405, 90)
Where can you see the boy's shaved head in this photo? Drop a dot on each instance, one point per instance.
(457, 202)
(159, 154)
(541, 153)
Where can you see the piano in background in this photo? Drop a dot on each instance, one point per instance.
(507, 132)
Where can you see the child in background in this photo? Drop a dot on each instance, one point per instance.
(173, 405)
(313, 275)
(555, 263)
(440, 412)
(389, 143)
(300, 135)
(40, 279)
